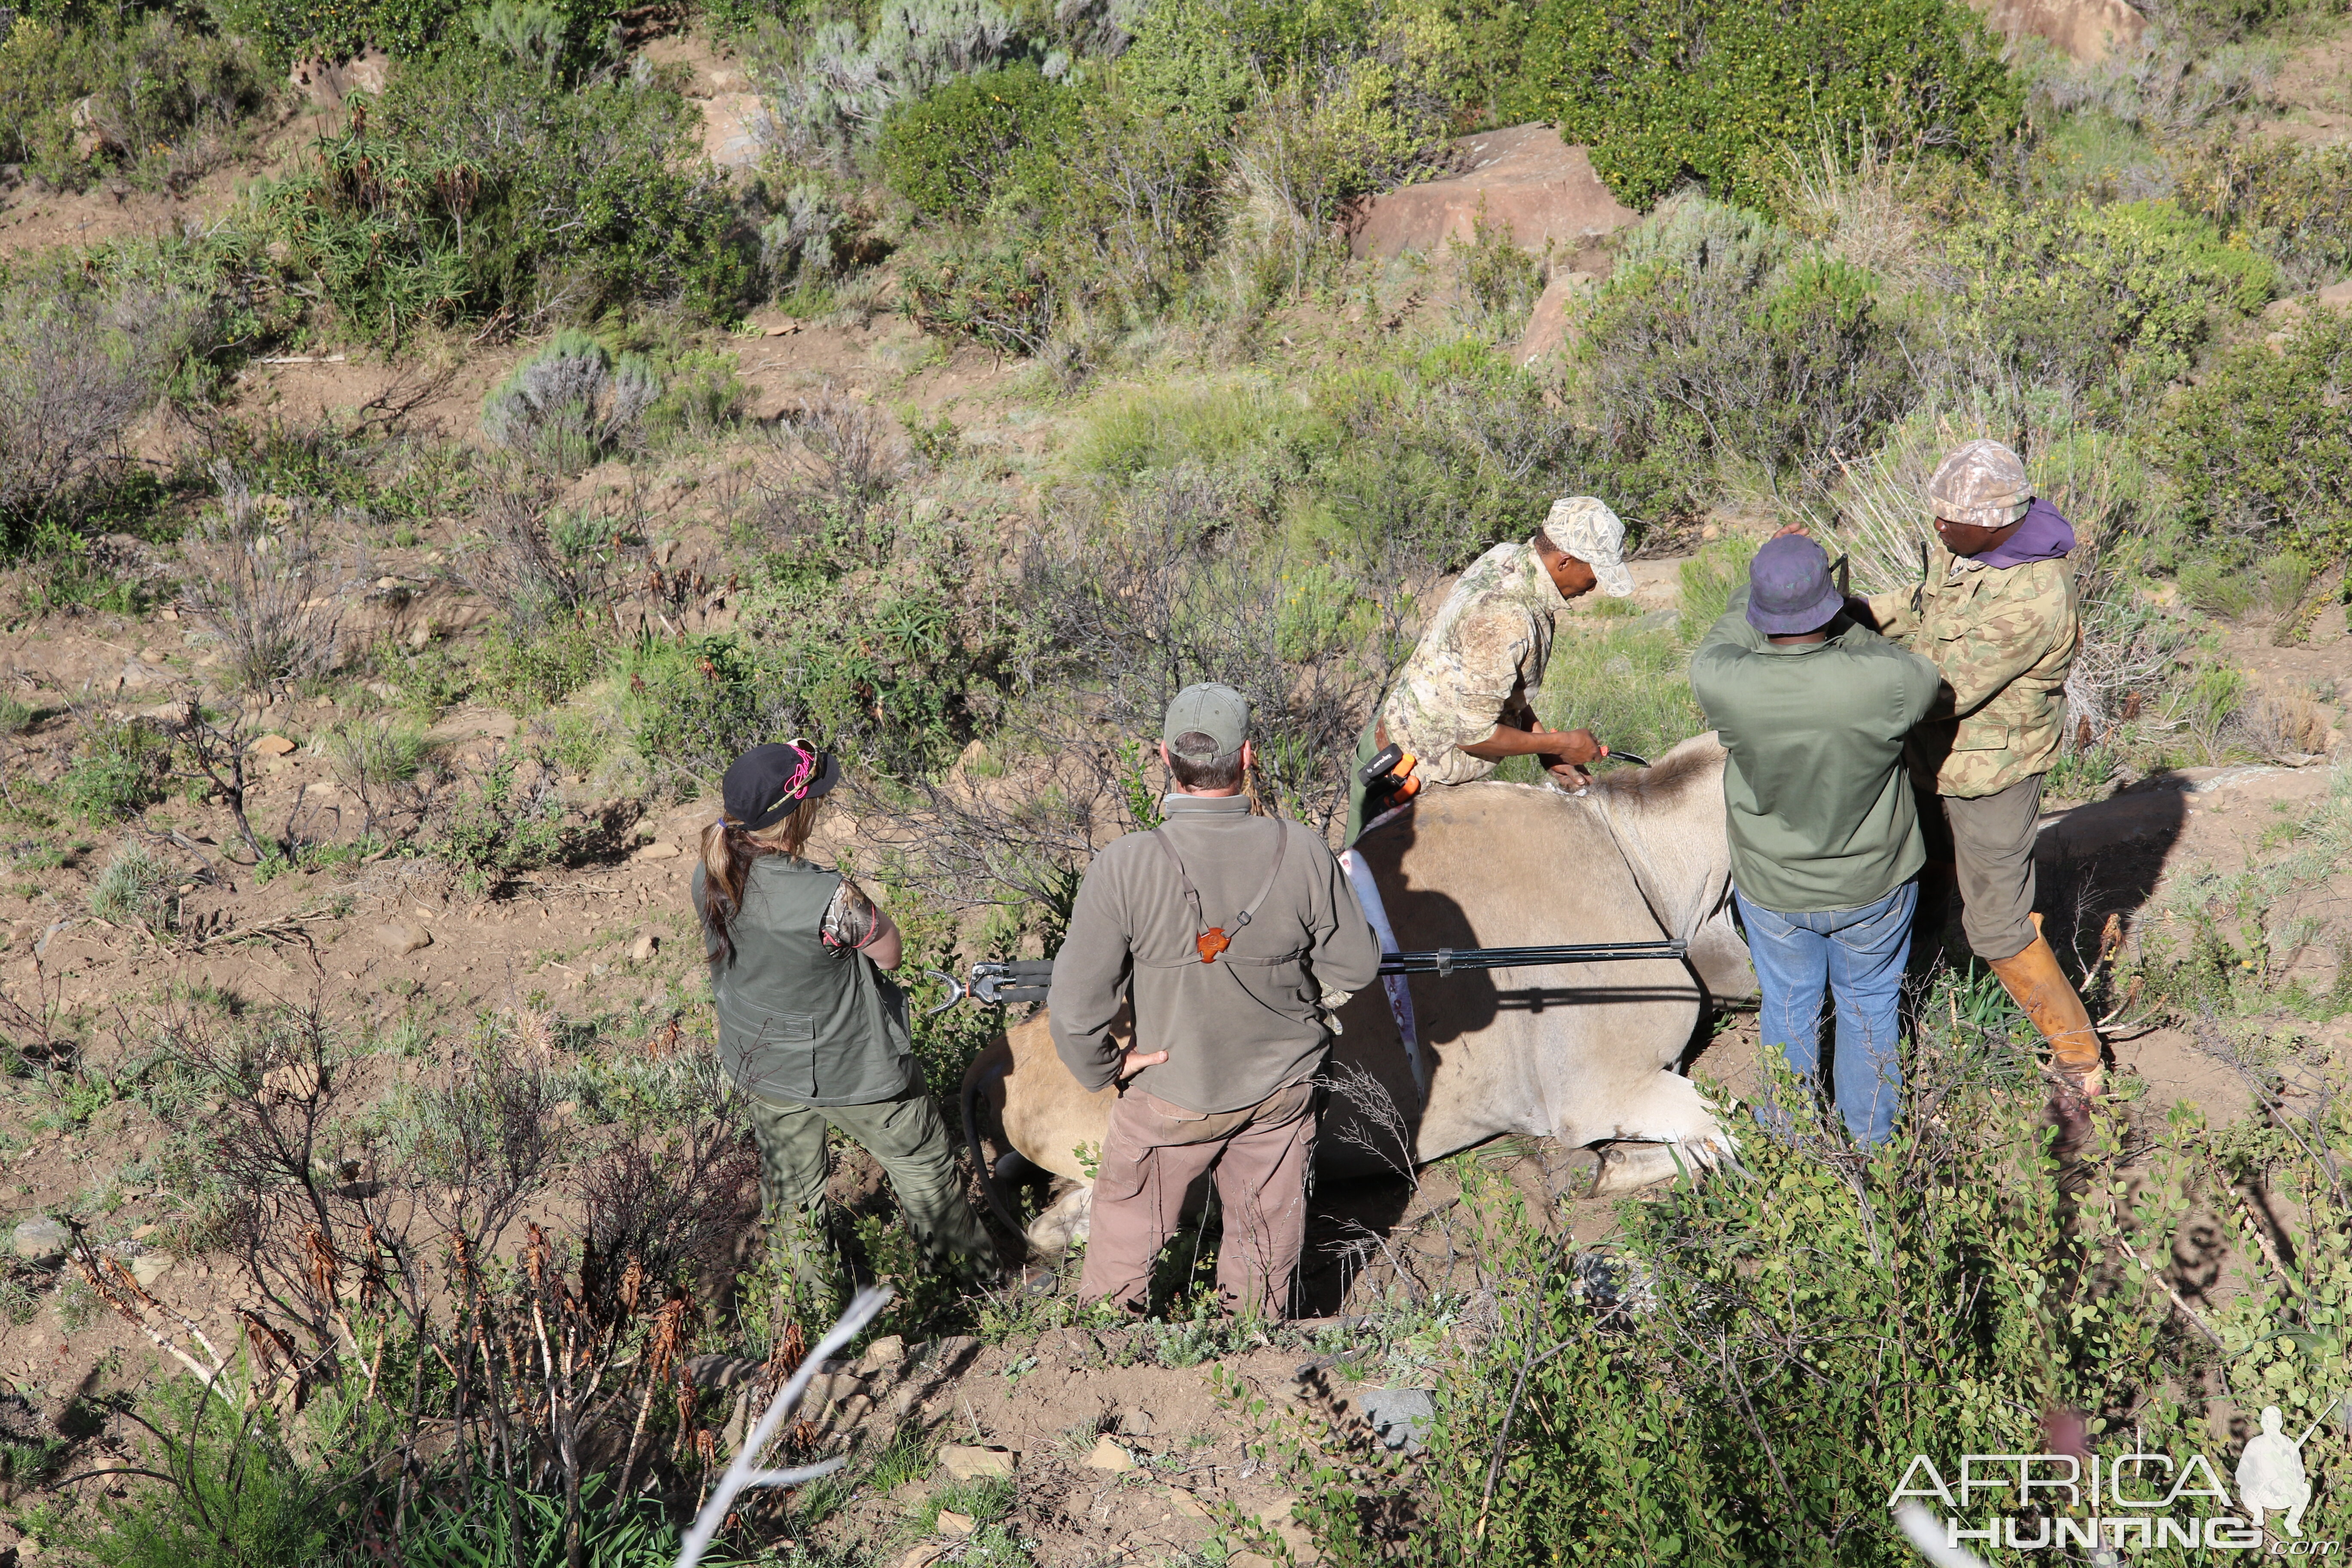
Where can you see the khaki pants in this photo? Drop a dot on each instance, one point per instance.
(905, 1136)
(1155, 1151)
(1991, 847)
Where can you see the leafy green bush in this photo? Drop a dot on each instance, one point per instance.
(1715, 88)
(120, 772)
(503, 827)
(946, 152)
(2262, 441)
(1688, 369)
(529, 671)
(2108, 300)
(1744, 1375)
(1436, 457)
(2292, 202)
(153, 97)
(235, 1492)
(478, 186)
(999, 295)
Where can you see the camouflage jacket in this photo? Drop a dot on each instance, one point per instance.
(1482, 654)
(2003, 640)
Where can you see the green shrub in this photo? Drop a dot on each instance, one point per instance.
(151, 97)
(998, 296)
(1715, 88)
(2262, 439)
(948, 153)
(234, 1493)
(848, 79)
(2114, 299)
(336, 29)
(1708, 580)
(1688, 369)
(1435, 456)
(2294, 203)
(1743, 1374)
(478, 186)
(700, 395)
(572, 403)
(529, 671)
(504, 826)
(120, 770)
(134, 888)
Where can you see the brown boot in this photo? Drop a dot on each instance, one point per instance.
(2036, 983)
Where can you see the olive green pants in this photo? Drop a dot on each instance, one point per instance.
(907, 1138)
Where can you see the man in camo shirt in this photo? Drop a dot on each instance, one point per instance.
(1995, 611)
(1463, 702)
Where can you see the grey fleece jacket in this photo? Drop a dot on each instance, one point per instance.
(1234, 1032)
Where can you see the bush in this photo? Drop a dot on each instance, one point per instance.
(1433, 458)
(2292, 202)
(948, 153)
(2260, 442)
(76, 371)
(1714, 89)
(336, 29)
(134, 888)
(154, 98)
(848, 81)
(999, 295)
(121, 772)
(260, 580)
(2112, 300)
(478, 186)
(572, 403)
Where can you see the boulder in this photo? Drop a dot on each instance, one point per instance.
(41, 1240)
(400, 937)
(326, 84)
(2083, 30)
(149, 1267)
(1110, 1456)
(955, 1523)
(964, 1462)
(644, 947)
(1526, 178)
(1547, 331)
(273, 746)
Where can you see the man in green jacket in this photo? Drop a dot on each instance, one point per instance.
(1825, 844)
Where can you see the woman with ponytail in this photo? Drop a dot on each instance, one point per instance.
(810, 1027)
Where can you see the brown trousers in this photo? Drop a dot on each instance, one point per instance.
(1991, 842)
(1155, 1151)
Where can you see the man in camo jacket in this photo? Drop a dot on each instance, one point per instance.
(1464, 701)
(1995, 611)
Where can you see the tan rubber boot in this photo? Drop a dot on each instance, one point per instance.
(2036, 983)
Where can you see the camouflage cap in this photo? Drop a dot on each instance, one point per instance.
(1584, 527)
(1983, 483)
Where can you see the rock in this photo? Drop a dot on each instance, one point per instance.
(1401, 1415)
(423, 634)
(326, 86)
(888, 1351)
(1547, 331)
(2337, 296)
(965, 1462)
(273, 746)
(149, 1267)
(1110, 1456)
(295, 1081)
(659, 850)
(955, 1523)
(2085, 30)
(401, 937)
(1185, 1503)
(734, 129)
(41, 1240)
(923, 1556)
(1525, 178)
(1135, 1423)
(643, 948)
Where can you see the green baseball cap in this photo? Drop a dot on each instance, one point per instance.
(1217, 711)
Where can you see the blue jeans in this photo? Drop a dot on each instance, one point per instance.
(1858, 954)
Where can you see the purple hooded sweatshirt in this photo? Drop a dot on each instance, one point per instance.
(2042, 535)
